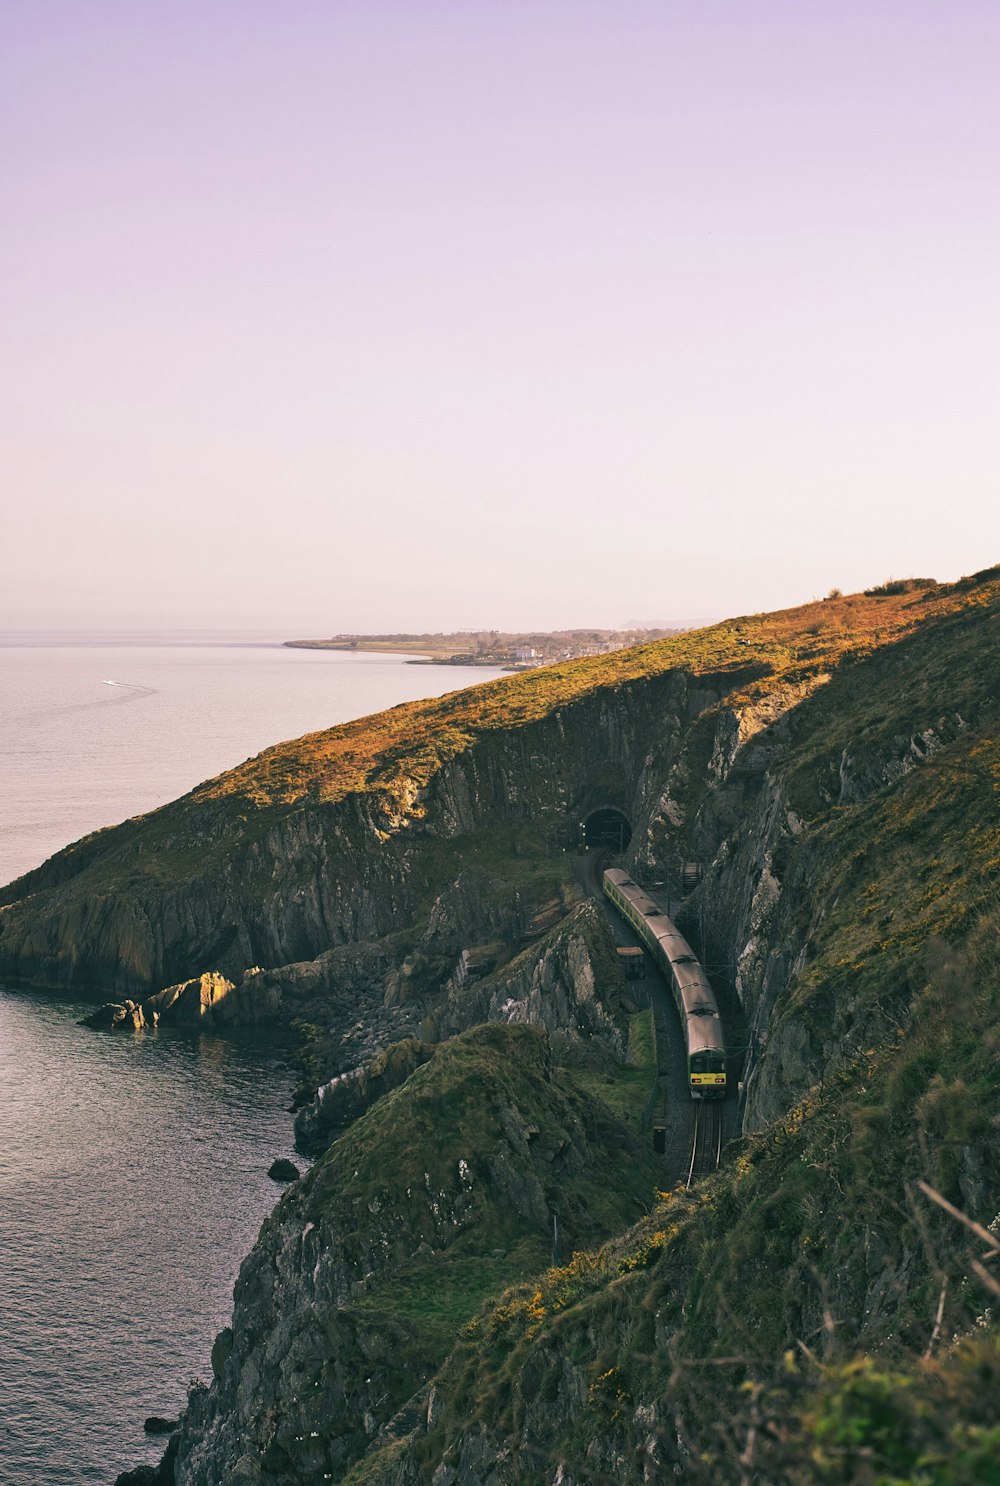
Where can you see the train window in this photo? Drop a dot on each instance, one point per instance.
(708, 1063)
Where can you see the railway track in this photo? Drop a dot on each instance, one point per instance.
(661, 1036)
(664, 1112)
(655, 1115)
(706, 1146)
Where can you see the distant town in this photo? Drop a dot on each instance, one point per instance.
(512, 652)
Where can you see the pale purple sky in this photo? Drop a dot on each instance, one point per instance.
(370, 315)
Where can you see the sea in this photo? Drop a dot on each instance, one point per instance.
(133, 1168)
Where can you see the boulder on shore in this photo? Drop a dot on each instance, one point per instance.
(117, 1016)
(189, 1003)
(205, 1000)
(283, 1171)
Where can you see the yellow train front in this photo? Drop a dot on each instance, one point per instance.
(694, 997)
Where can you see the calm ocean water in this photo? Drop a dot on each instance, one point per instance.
(133, 1168)
(133, 1179)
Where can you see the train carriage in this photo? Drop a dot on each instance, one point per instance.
(695, 999)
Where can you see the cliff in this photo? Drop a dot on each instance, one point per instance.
(568, 983)
(812, 1311)
(347, 837)
(372, 1262)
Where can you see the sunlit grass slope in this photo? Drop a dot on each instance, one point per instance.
(167, 894)
(404, 747)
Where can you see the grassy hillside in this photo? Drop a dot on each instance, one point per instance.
(812, 1304)
(402, 748)
(824, 1307)
(430, 1203)
(820, 1310)
(762, 662)
(278, 860)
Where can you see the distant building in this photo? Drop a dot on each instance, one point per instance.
(525, 653)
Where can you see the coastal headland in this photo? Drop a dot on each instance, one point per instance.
(484, 1276)
(512, 652)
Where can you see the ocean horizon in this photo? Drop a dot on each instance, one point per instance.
(98, 726)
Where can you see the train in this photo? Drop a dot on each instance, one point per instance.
(696, 1003)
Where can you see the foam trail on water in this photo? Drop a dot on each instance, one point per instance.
(140, 691)
(130, 693)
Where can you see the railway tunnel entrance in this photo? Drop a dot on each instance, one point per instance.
(608, 828)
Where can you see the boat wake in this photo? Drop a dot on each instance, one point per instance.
(125, 692)
(138, 691)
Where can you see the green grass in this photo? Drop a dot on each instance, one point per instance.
(400, 750)
(436, 1244)
(902, 974)
(435, 1300)
(625, 1089)
(760, 663)
(748, 1264)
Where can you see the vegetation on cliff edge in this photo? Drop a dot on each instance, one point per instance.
(398, 752)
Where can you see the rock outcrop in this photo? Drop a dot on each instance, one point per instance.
(283, 1170)
(570, 983)
(352, 1295)
(117, 1016)
(192, 1003)
(345, 1098)
(206, 1000)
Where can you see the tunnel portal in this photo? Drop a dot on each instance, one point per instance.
(608, 828)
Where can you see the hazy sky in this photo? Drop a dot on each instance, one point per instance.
(356, 315)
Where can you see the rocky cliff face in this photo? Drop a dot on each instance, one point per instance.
(352, 1296)
(568, 983)
(668, 1351)
(833, 777)
(849, 846)
(313, 909)
(239, 894)
(818, 786)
